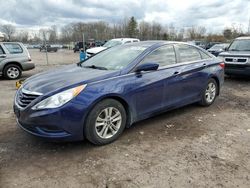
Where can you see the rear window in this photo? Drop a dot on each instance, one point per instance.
(13, 48)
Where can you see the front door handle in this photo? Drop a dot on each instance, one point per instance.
(176, 73)
(3, 56)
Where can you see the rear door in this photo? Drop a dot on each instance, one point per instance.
(186, 86)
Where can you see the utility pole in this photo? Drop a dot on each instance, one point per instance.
(249, 26)
(45, 43)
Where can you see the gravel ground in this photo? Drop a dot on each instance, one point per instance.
(189, 147)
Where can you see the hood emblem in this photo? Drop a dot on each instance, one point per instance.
(235, 59)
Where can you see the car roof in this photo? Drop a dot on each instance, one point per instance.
(243, 38)
(159, 42)
(124, 39)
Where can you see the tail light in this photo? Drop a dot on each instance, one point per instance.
(222, 65)
(29, 58)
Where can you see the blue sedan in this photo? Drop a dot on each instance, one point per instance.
(97, 98)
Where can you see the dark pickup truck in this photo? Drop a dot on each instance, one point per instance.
(237, 57)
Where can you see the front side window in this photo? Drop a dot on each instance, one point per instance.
(163, 56)
(188, 53)
(13, 48)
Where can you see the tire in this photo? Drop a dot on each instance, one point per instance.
(210, 93)
(102, 128)
(12, 72)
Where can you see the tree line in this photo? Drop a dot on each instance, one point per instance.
(128, 27)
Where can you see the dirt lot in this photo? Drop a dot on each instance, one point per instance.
(189, 147)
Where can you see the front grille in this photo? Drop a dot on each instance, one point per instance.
(236, 60)
(24, 97)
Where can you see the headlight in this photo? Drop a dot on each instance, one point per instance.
(59, 99)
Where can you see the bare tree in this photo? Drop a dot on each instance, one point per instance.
(9, 30)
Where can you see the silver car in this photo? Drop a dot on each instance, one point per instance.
(14, 58)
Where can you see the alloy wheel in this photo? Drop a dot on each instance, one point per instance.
(13, 72)
(210, 92)
(108, 122)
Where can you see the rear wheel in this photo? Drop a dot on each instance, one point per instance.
(105, 122)
(12, 72)
(210, 93)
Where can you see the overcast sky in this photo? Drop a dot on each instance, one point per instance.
(213, 14)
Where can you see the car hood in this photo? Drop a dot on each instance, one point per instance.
(96, 49)
(236, 53)
(66, 76)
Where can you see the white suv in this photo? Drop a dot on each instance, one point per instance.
(109, 44)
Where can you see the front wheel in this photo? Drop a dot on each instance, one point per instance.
(210, 93)
(105, 122)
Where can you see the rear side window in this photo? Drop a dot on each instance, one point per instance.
(204, 55)
(188, 53)
(13, 48)
(163, 56)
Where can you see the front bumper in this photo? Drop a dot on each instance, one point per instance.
(240, 70)
(61, 124)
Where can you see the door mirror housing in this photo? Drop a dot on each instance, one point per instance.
(147, 67)
(226, 48)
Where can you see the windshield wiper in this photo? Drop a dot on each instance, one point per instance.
(95, 67)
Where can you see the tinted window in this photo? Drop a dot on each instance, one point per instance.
(163, 56)
(1, 50)
(13, 48)
(188, 53)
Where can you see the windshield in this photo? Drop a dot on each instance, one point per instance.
(114, 58)
(240, 45)
(112, 43)
(217, 47)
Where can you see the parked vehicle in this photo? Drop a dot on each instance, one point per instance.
(218, 48)
(201, 44)
(14, 58)
(96, 99)
(210, 44)
(111, 43)
(237, 57)
(79, 45)
(49, 48)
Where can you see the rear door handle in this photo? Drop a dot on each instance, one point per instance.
(2, 56)
(204, 64)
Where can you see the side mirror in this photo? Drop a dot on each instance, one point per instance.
(226, 48)
(147, 67)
